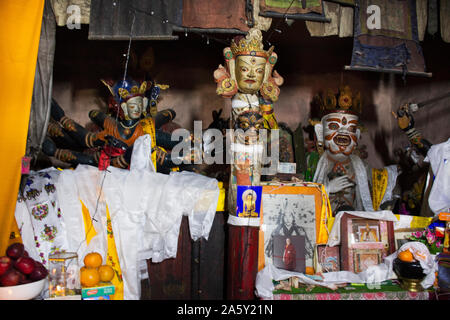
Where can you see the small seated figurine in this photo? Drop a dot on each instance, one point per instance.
(350, 184)
(67, 139)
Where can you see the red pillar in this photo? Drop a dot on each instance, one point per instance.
(242, 264)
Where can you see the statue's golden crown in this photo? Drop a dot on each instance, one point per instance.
(251, 44)
(343, 101)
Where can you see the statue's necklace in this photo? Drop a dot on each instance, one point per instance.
(127, 129)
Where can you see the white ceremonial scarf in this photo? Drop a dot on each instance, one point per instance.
(439, 158)
(146, 209)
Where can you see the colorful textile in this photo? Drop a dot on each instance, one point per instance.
(291, 6)
(388, 290)
(112, 259)
(18, 59)
(39, 216)
(395, 44)
(379, 185)
(212, 14)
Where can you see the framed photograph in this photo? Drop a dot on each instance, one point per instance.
(328, 258)
(289, 211)
(364, 242)
(365, 258)
(289, 253)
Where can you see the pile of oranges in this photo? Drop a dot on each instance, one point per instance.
(93, 272)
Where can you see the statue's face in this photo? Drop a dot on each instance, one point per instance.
(134, 107)
(250, 123)
(340, 133)
(250, 73)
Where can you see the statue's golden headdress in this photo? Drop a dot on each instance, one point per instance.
(251, 44)
(343, 101)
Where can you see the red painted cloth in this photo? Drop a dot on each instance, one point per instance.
(105, 157)
(211, 14)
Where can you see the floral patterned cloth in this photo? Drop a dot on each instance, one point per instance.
(39, 216)
(392, 295)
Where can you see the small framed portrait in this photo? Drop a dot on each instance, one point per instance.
(364, 242)
(289, 253)
(367, 231)
(248, 201)
(328, 258)
(365, 258)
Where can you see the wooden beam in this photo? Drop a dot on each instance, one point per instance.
(396, 71)
(209, 30)
(306, 16)
(134, 38)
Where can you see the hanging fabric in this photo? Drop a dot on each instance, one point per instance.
(445, 20)
(63, 11)
(422, 16)
(386, 40)
(215, 14)
(261, 23)
(341, 23)
(20, 25)
(291, 6)
(308, 10)
(433, 17)
(43, 80)
(151, 20)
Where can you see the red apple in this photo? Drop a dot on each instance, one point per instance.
(25, 265)
(10, 278)
(39, 272)
(15, 251)
(5, 264)
(22, 278)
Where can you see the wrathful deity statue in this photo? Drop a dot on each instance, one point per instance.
(249, 80)
(350, 183)
(113, 144)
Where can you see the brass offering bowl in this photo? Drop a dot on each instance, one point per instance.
(410, 274)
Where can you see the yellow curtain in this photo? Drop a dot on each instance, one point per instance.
(20, 29)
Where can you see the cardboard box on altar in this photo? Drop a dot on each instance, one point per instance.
(102, 290)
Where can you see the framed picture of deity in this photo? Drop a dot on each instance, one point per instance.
(365, 242)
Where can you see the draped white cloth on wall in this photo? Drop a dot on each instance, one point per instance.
(439, 158)
(146, 209)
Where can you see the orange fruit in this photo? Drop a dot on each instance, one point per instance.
(89, 277)
(93, 260)
(406, 256)
(309, 271)
(106, 273)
